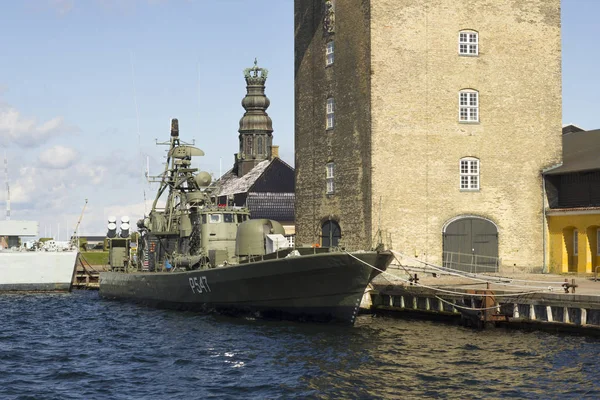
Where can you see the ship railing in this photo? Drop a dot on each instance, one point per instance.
(470, 262)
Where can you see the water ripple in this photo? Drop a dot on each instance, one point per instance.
(77, 346)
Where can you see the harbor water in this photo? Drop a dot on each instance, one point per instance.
(77, 346)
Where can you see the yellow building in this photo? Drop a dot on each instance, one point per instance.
(573, 204)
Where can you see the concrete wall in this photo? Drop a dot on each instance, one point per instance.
(417, 141)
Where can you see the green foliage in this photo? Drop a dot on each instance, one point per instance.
(96, 257)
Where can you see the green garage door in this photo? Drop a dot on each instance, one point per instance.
(471, 245)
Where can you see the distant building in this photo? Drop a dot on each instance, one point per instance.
(573, 203)
(92, 241)
(425, 125)
(259, 179)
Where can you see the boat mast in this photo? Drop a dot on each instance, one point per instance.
(166, 178)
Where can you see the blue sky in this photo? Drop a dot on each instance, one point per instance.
(69, 70)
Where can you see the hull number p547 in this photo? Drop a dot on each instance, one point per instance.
(199, 284)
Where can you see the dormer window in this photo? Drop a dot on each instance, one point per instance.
(329, 53)
(468, 43)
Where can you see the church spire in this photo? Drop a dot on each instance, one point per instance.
(256, 127)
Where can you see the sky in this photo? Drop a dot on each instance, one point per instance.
(88, 86)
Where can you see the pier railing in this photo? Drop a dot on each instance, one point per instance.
(467, 262)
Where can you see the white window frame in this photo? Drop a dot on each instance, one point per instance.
(468, 43)
(329, 175)
(575, 242)
(330, 124)
(469, 171)
(468, 106)
(329, 53)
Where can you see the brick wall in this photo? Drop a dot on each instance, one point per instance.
(397, 140)
(418, 141)
(348, 143)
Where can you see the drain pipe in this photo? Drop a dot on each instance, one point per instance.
(545, 259)
(544, 266)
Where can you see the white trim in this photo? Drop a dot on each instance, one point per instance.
(330, 113)
(551, 168)
(468, 106)
(466, 44)
(552, 212)
(329, 53)
(469, 170)
(329, 177)
(458, 217)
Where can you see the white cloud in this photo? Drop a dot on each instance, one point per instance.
(58, 157)
(26, 131)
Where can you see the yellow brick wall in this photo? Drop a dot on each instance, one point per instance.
(417, 141)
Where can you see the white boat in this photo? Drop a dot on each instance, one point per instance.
(37, 270)
(21, 269)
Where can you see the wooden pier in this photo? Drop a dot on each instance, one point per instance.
(573, 306)
(86, 277)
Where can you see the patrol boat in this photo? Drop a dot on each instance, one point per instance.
(194, 254)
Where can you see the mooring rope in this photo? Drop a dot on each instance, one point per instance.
(489, 279)
(448, 291)
(465, 307)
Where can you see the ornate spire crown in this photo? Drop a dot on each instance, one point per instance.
(255, 75)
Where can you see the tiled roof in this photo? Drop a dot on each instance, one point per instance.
(276, 206)
(230, 183)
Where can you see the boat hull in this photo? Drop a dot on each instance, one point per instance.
(37, 271)
(320, 287)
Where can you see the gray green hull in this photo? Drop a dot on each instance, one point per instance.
(321, 287)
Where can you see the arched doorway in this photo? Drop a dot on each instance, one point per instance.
(471, 244)
(330, 234)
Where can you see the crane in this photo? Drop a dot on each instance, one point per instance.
(75, 238)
